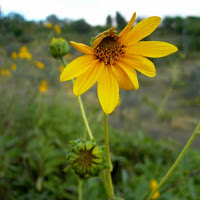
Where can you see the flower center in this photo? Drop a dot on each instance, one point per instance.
(109, 50)
(85, 158)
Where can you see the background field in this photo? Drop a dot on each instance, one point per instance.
(147, 130)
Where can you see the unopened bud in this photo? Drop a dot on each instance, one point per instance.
(59, 47)
(85, 158)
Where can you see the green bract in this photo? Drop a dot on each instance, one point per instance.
(59, 47)
(85, 158)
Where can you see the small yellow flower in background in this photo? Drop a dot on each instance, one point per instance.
(57, 29)
(113, 59)
(14, 67)
(68, 85)
(43, 86)
(24, 53)
(68, 57)
(5, 72)
(61, 68)
(48, 25)
(40, 65)
(14, 55)
(154, 184)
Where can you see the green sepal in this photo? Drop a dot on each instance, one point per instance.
(91, 40)
(67, 169)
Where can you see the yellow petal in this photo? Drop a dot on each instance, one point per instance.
(88, 79)
(77, 67)
(98, 40)
(142, 30)
(111, 32)
(108, 90)
(153, 49)
(140, 63)
(130, 71)
(82, 48)
(122, 78)
(125, 31)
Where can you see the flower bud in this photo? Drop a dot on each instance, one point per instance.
(59, 47)
(86, 158)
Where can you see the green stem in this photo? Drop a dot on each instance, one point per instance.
(170, 89)
(84, 117)
(108, 160)
(195, 133)
(80, 183)
(81, 108)
(165, 99)
(106, 179)
(105, 184)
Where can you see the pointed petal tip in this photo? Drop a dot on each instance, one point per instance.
(175, 48)
(137, 87)
(62, 78)
(134, 15)
(153, 75)
(108, 111)
(76, 93)
(71, 43)
(157, 19)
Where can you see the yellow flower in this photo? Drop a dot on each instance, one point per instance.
(5, 72)
(14, 55)
(24, 53)
(40, 65)
(61, 68)
(154, 184)
(68, 56)
(14, 67)
(43, 86)
(68, 85)
(113, 59)
(57, 29)
(48, 25)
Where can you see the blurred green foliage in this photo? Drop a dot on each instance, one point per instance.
(33, 159)
(189, 29)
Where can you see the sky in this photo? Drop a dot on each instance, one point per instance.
(96, 11)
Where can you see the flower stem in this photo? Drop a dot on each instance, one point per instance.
(108, 160)
(105, 184)
(84, 118)
(80, 183)
(106, 178)
(81, 108)
(195, 133)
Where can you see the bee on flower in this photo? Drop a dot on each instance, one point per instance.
(113, 59)
(43, 86)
